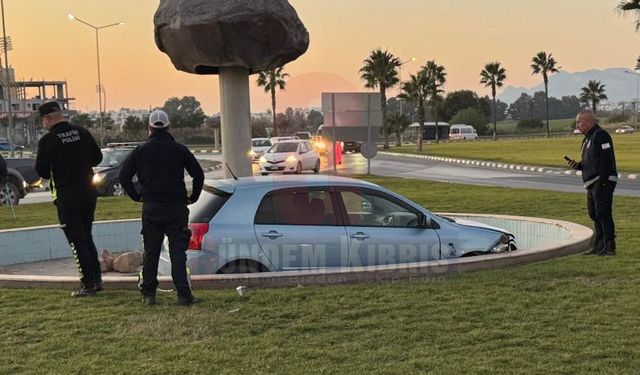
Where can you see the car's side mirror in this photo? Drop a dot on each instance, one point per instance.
(424, 221)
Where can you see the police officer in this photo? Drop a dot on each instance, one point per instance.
(159, 165)
(66, 155)
(599, 174)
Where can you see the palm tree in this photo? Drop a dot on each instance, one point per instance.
(436, 77)
(543, 64)
(398, 124)
(271, 80)
(631, 6)
(379, 70)
(493, 75)
(592, 94)
(416, 89)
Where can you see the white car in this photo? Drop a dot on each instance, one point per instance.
(290, 157)
(258, 147)
(625, 129)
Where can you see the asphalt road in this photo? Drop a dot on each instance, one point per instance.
(433, 171)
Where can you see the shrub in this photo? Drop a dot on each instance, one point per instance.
(617, 117)
(474, 117)
(530, 124)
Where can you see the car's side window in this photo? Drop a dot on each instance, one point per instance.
(300, 206)
(365, 208)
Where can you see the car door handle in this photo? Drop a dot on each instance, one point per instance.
(272, 234)
(359, 236)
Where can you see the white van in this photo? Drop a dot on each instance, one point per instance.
(462, 132)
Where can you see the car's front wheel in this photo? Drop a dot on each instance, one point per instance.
(116, 189)
(242, 266)
(299, 168)
(9, 194)
(316, 169)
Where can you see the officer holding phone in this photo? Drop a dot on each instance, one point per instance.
(600, 176)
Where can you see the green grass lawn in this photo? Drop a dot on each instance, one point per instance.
(573, 315)
(555, 126)
(534, 151)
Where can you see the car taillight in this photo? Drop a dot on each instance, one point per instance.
(198, 230)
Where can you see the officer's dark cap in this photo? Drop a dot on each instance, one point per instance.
(48, 108)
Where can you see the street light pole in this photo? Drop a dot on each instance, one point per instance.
(97, 28)
(5, 47)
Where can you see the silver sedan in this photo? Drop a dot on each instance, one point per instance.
(283, 223)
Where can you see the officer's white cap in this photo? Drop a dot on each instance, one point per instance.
(158, 119)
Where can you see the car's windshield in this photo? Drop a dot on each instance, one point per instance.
(283, 147)
(113, 157)
(260, 143)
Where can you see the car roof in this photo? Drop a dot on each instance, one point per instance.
(230, 185)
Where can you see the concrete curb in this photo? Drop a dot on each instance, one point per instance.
(498, 165)
(577, 240)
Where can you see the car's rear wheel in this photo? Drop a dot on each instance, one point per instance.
(116, 189)
(242, 266)
(299, 168)
(263, 173)
(316, 169)
(9, 194)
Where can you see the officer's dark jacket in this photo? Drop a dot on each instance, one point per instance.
(598, 162)
(160, 165)
(66, 155)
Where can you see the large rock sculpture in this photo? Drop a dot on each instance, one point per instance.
(201, 36)
(232, 38)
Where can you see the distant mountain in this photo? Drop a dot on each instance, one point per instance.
(619, 86)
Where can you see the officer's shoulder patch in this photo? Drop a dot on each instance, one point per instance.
(606, 146)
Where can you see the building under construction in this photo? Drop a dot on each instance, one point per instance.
(25, 98)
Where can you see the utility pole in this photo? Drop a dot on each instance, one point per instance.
(6, 63)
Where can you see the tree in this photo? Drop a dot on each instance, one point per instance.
(416, 89)
(472, 116)
(437, 77)
(379, 70)
(457, 100)
(493, 75)
(544, 64)
(501, 109)
(84, 120)
(631, 6)
(133, 124)
(259, 127)
(271, 80)
(592, 94)
(398, 124)
(184, 112)
(314, 120)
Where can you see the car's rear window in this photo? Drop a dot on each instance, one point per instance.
(283, 147)
(207, 206)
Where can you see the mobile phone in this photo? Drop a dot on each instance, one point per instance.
(567, 158)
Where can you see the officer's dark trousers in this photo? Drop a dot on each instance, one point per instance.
(160, 219)
(599, 204)
(76, 218)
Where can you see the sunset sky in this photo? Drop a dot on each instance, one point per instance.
(462, 35)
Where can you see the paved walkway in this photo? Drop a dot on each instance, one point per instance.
(57, 267)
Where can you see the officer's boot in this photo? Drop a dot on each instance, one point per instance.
(609, 248)
(99, 287)
(597, 244)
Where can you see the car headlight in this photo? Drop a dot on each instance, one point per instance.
(292, 159)
(97, 178)
(263, 159)
(506, 243)
(24, 184)
(251, 153)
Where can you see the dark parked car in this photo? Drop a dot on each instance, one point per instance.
(351, 146)
(105, 176)
(14, 189)
(6, 146)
